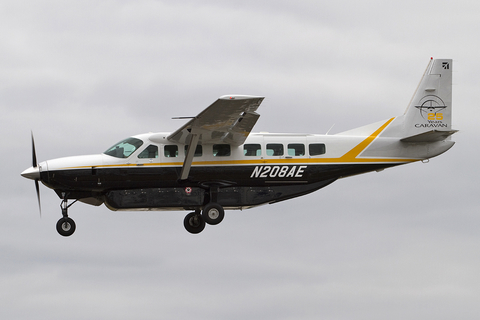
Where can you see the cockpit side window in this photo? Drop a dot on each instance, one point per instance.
(150, 152)
(124, 148)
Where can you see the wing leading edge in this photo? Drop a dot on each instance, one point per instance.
(230, 120)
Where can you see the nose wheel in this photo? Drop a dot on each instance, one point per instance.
(66, 226)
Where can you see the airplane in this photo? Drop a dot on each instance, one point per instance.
(214, 162)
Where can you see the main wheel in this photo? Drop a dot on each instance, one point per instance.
(213, 213)
(66, 227)
(194, 222)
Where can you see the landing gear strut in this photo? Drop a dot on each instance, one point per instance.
(66, 226)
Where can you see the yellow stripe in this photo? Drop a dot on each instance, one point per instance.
(352, 154)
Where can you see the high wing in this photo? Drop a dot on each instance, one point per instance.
(228, 120)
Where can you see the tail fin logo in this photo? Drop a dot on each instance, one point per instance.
(430, 107)
(445, 65)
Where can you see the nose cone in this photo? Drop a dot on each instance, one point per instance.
(31, 173)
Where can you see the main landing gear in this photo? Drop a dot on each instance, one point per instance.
(66, 226)
(212, 214)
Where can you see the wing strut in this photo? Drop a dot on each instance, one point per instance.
(187, 164)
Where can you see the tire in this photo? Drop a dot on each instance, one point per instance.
(194, 223)
(213, 213)
(66, 227)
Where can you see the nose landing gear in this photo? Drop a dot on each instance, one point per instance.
(66, 226)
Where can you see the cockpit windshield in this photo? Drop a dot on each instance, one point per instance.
(124, 148)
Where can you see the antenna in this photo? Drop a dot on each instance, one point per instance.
(330, 129)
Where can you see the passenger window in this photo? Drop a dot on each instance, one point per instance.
(274, 149)
(252, 150)
(316, 149)
(150, 152)
(198, 150)
(170, 151)
(296, 149)
(221, 150)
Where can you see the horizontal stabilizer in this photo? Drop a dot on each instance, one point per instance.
(430, 136)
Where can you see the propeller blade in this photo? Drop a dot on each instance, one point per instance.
(34, 155)
(37, 187)
(35, 164)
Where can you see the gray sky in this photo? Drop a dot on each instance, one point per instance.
(401, 244)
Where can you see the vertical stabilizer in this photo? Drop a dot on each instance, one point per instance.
(431, 105)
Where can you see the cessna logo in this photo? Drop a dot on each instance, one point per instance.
(430, 108)
(278, 172)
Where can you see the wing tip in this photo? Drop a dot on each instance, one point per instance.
(239, 97)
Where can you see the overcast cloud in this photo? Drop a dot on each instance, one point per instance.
(400, 244)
